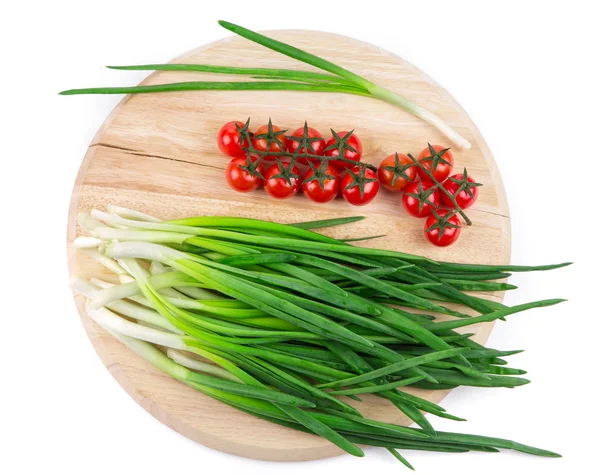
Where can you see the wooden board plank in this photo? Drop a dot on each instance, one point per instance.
(157, 153)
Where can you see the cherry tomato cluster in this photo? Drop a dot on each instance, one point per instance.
(429, 191)
(322, 169)
(284, 164)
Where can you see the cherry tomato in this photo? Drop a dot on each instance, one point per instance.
(228, 139)
(240, 179)
(349, 145)
(306, 140)
(436, 159)
(359, 185)
(322, 186)
(278, 186)
(396, 171)
(468, 190)
(443, 229)
(420, 198)
(270, 138)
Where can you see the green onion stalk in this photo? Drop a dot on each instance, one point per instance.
(280, 321)
(336, 80)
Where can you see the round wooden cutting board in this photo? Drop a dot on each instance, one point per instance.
(157, 153)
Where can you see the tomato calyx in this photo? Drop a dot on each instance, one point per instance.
(464, 184)
(341, 143)
(359, 179)
(422, 195)
(252, 166)
(442, 223)
(319, 174)
(244, 132)
(436, 157)
(399, 170)
(271, 137)
(286, 171)
(305, 142)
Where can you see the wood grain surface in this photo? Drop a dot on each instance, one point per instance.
(157, 153)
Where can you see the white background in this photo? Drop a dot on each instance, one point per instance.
(527, 73)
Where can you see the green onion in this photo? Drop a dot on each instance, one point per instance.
(378, 388)
(325, 223)
(264, 72)
(340, 80)
(396, 367)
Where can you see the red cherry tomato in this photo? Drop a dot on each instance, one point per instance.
(443, 229)
(438, 160)
(280, 187)
(355, 179)
(396, 171)
(468, 193)
(228, 139)
(322, 187)
(420, 198)
(240, 179)
(351, 148)
(306, 140)
(270, 138)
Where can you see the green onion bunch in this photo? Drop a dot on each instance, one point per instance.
(290, 325)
